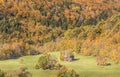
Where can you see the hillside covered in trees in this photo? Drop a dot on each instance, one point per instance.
(88, 27)
(60, 34)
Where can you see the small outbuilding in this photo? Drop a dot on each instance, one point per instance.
(66, 55)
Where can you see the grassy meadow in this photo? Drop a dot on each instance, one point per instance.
(84, 65)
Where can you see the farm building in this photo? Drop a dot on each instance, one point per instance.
(66, 55)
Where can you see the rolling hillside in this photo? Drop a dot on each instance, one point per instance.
(88, 28)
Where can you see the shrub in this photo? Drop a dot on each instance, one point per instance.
(47, 61)
(101, 60)
(43, 61)
(22, 72)
(67, 72)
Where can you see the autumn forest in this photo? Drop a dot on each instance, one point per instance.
(60, 34)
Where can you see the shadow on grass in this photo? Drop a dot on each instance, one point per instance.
(107, 64)
(76, 59)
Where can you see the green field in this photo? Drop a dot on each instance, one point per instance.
(84, 65)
